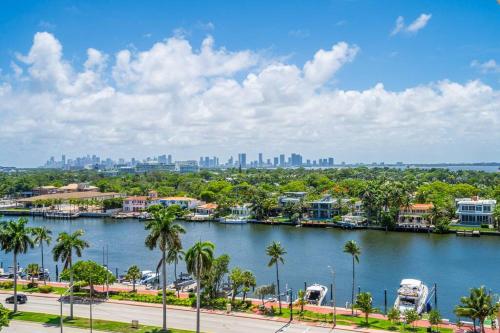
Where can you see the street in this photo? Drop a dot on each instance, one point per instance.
(182, 319)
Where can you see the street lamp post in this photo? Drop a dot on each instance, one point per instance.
(334, 300)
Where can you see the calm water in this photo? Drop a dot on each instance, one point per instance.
(455, 264)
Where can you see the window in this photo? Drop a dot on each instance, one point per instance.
(487, 209)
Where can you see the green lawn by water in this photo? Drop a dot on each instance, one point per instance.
(97, 324)
(359, 321)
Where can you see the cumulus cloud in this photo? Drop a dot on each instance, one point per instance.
(187, 100)
(490, 66)
(417, 25)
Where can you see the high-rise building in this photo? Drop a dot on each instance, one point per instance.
(276, 161)
(261, 160)
(330, 161)
(242, 160)
(282, 160)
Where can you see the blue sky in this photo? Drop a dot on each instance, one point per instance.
(458, 43)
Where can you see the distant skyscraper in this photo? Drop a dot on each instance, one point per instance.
(330, 161)
(282, 160)
(276, 161)
(242, 160)
(261, 161)
(63, 160)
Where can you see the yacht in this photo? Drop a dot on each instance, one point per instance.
(412, 295)
(315, 294)
(233, 220)
(184, 282)
(240, 214)
(148, 277)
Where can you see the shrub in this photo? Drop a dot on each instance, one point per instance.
(45, 289)
(6, 285)
(32, 285)
(192, 295)
(169, 293)
(486, 226)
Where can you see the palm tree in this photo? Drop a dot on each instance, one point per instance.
(353, 249)
(478, 305)
(63, 250)
(15, 238)
(165, 234)
(33, 270)
(173, 256)
(199, 260)
(276, 252)
(133, 274)
(249, 281)
(42, 235)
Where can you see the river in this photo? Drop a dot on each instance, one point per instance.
(455, 264)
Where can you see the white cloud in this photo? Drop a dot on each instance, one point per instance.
(490, 66)
(187, 101)
(417, 25)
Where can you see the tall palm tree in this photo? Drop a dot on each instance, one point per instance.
(276, 252)
(15, 238)
(42, 235)
(199, 259)
(353, 249)
(479, 305)
(173, 256)
(165, 234)
(63, 250)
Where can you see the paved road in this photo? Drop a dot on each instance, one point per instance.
(182, 319)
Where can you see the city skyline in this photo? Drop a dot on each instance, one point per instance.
(415, 81)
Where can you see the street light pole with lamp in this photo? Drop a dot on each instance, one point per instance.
(334, 301)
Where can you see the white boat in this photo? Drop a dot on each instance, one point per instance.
(315, 294)
(148, 277)
(233, 220)
(412, 295)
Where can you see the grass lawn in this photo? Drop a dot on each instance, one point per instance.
(374, 323)
(101, 325)
(468, 228)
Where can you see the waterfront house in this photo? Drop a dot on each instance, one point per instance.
(135, 204)
(326, 208)
(415, 215)
(242, 211)
(205, 211)
(475, 211)
(290, 198)
(183, 202)
(139, 203)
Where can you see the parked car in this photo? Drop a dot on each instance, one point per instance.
(21, 299)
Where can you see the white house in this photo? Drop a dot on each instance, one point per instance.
(138, 203)
(183, 202)
(475, 211)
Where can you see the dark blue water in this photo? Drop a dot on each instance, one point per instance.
(455, 264)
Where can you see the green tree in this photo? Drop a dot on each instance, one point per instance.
(236, 277)
(15, 238)
(301, 300)
(164, 233)
(133, 274)
(4, 317)
(33, 270)
(353, 249)
(63, 250)
(364, 303)
(479, 305)
(276, 253)
(42, 235)
(496, 216)
(199, 259)
(435, 318)
(394, 315)
(175, 254)
(88, 273)
(249, 282)
(262, 291)
(214, 278)
(410, 317)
